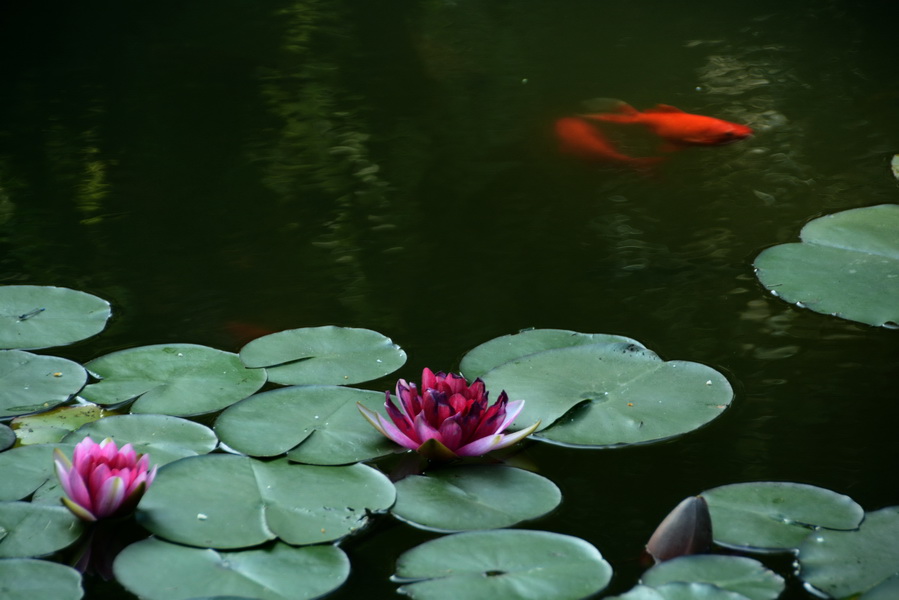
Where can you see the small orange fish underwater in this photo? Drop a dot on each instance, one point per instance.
(677, 129)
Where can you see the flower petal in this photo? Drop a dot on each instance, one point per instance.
(78, 510)
(387, 429)
(109, 497)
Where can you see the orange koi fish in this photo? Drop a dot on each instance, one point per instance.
(582, 140)
(677, 127)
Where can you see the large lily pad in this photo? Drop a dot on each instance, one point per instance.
(844, 563)
(32, 383)
(474, 497)
(227, 501)
(314, 424)
(28, 529)
(508, 563)
(277, 572)
(847, 265)
(738, 574)
(607, 393)
(27, 468)
(172, 379)
(163, 437)
(497, 351)
(776, 516)
(30, 579)
(324, 355)
(36, 316)
(679, 591)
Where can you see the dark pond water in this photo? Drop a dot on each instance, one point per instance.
(389, 165)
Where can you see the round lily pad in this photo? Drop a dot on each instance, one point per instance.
(680, 591)
(474, 497)
(776, 516)
(847, 265)
(31, 579)
(227, 501)
(610, 393)
(738, 574)
(497, 351)
(36, 316)
(506, 563)
(28, 529)
(315, 424)
(31, 383)
(27, 468)
(163, 437)
(172, 379)
(276, 572)
(324, 355)
(845, 563)
(888, 590)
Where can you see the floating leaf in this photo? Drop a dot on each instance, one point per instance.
(735, 573)
(324, 355)
(30, 579)
(7, 437)
(27, 468)
(35, 316)
(53, 425)
(508, 563)
(35, 530)
(844, 563)
(776, 515)
(474, 497)
(172, 379)
(497, 351)
(610, 393)
(888, 590)
(163, 437)
(679, 591)
(316, 424)
(847, 265)
(277, 572)
(31, 383)
(226, 501)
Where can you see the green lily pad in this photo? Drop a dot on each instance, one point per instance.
(847, 265)
(227, 501)
(324, 355)
(163, 437)
(765, 516)
(610, 393)
(738, 574)
(27, 468)
(888, 590)
(53, 425)
(36, 316)
(32, 383)
(35, 530)
(844, 563)
(680, 591)
(473, 497)
(497, 351)
(7, 437)
(314, 424)
(276, 572)
(172, 379)
(31, 579)
(506, 563)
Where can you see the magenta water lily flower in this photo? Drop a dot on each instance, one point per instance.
(103, 480)
(449, 418)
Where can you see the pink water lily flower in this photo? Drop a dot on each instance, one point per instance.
(449, 418)
(103, 480)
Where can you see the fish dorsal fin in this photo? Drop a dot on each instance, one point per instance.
(664, 108)
(608, 105)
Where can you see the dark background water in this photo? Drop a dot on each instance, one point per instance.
(389, 165)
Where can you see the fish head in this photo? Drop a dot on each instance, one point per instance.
(732, 132)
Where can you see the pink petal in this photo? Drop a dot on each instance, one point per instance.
(109, 497)
(78, 492)
(78, 510)
(387, 429)
(512, 411)
(450, 433)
